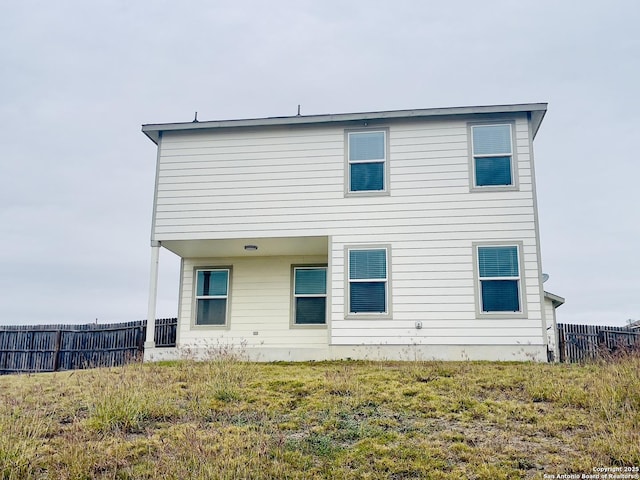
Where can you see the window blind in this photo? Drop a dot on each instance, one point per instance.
(500, 296)
(491, 139)
(368, 297)
(366, 146)
(498, 261)
(367, 264)
(310, 281)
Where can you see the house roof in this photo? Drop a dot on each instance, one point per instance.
(537, 111)
(556, 300)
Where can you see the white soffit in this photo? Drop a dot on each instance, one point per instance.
(281, 246)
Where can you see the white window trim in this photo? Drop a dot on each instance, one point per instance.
(347, 291)
(292, 323)
(472, 158)
(196, 297)
(385, 161)
(522, 293)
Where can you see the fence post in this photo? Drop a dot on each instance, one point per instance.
(142, 336)
(56, 352)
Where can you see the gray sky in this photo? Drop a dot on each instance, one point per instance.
(78, 78)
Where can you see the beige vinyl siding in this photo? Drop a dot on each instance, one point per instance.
(270, 182)
(435, 286)
(549, 311)
(292, 180)
(259, 301)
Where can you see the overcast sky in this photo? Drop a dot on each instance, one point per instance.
(78, 78)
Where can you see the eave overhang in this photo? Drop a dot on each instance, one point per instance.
(535, 110)
(556, 300)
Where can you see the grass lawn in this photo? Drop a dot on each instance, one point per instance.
(228, 419)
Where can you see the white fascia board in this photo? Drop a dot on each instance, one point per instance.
(556, 300)
(537, 111)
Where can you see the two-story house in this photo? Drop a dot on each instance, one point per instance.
(396, 235)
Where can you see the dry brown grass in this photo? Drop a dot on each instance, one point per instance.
(229, 419)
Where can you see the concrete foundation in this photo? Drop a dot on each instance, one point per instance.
(530, 353)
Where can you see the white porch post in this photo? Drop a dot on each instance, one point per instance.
(153, 294)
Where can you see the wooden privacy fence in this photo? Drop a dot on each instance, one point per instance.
(580, 343)
(49, 348)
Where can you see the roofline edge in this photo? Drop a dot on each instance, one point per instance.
(537, 110)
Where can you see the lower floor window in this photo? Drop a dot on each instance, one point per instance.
(212, 296)
(310, 295)
(368, 280)
(499, 277)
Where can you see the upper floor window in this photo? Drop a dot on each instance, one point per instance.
(368, 281)
(309, 295)
(367, 162)
(212, 296)
(500, 279)
(492, 161)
